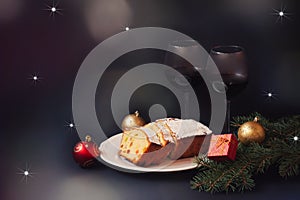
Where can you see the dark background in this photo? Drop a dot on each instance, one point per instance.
(35, 115)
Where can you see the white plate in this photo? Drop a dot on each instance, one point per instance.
(109, 153)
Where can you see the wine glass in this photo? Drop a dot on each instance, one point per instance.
(186, 49)
(231, 62)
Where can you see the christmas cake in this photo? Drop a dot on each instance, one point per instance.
(168, 138)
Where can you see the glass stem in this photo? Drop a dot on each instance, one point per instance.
(228, 117)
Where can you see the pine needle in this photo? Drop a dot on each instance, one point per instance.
(280, 148)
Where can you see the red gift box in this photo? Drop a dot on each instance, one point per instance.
(222, 147)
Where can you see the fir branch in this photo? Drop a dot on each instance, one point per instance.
(279, 148)
(225, 176)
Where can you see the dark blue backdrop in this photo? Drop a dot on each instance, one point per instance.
(35, 115)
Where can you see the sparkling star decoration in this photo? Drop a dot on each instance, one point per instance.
(70, 125)
(35, 78)
(53, 9)
(295, 139)
(281, 13)
(269, 95)
(25, 173)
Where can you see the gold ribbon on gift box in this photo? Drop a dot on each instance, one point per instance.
(220, 145)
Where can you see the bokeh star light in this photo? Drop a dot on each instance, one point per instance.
(71, 126)
(269, 95)
(281, 14)
(54, 9)
(25, 173)
(35, 78)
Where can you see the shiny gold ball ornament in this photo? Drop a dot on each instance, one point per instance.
(251, 131)
(132, 120)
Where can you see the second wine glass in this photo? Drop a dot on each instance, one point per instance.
(232, 65)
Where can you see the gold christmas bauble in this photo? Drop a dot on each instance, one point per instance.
(132, 120)
(251, 131)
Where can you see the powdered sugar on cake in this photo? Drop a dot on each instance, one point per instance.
(151, 135)
(183, 128)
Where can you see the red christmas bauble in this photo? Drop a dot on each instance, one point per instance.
(86, 152)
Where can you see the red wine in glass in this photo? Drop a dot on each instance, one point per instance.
(235, 83)
(231, 62)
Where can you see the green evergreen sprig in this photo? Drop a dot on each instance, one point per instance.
(280, 148)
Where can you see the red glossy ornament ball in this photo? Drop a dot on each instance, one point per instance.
(86, 152)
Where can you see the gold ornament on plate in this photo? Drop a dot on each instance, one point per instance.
(132, 120)
(251, 131)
